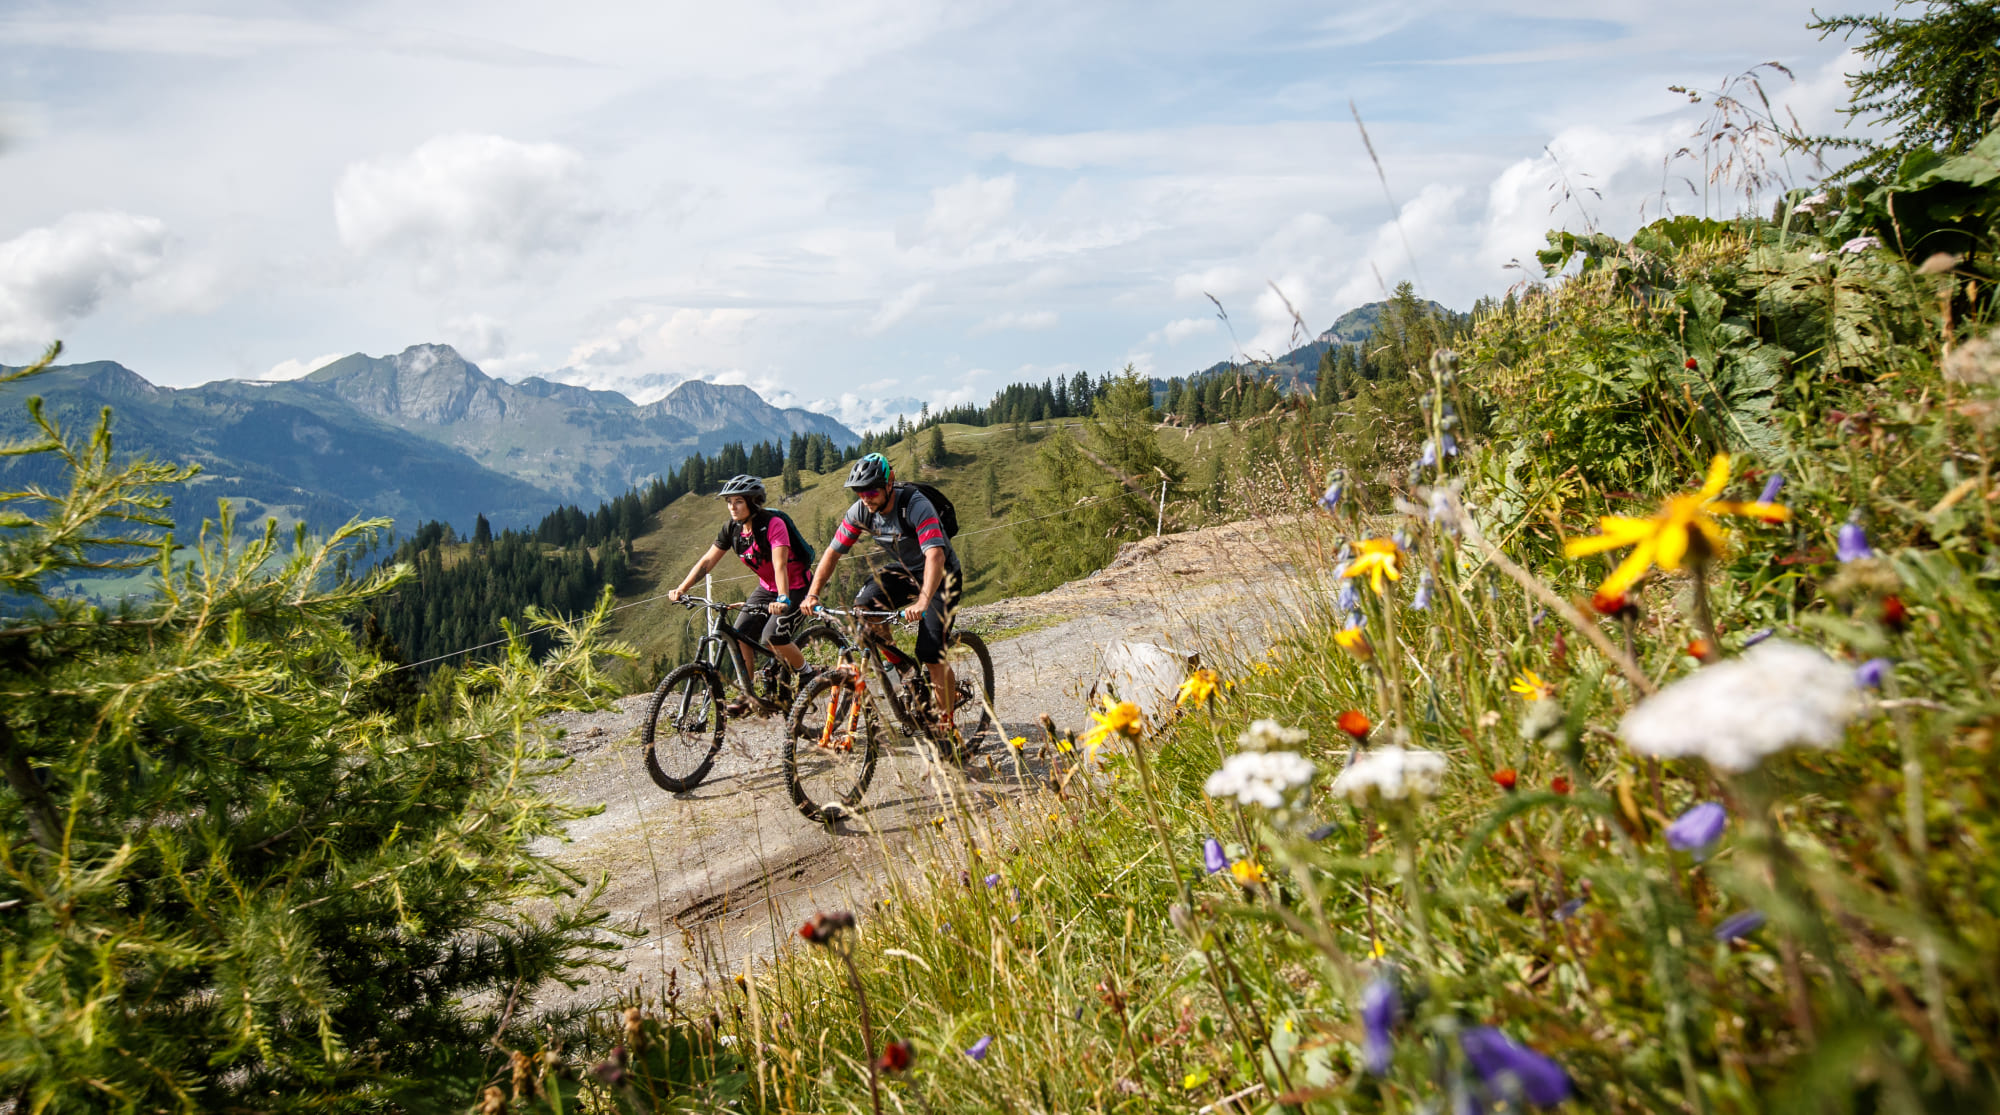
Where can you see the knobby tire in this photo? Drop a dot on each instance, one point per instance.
(690, 698)
(817, 773)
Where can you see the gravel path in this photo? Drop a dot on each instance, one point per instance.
(722, 874)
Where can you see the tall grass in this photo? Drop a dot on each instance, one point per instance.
(1535, 926)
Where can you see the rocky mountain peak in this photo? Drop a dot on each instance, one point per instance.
(425, 383)
(712, 406)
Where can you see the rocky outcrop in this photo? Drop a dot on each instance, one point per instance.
(432, 384)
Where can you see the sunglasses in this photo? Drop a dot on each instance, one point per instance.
(865, 493)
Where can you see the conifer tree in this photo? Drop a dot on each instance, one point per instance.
(233, 880)
(935, 452)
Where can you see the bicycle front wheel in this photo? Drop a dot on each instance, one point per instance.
(830, 746)
(683, 729)
(821, 644)
(972, 691)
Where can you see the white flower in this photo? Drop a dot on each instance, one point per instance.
(1266, 778)
(1860, 244)
(1774, 696)
(1819, 257)
(1269, 735)
(1812, 204)
(1392, 771)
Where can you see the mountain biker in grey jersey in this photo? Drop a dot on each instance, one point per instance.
(923, 580)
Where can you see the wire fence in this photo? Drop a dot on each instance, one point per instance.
(740, 577)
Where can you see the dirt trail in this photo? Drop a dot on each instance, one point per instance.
(724, 872)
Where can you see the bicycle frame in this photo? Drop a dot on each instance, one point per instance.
(871, 649)
(711, 647)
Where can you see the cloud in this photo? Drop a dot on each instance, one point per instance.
(687, 329)
(964, 212)
(487, 342)
(479, 207)
(298, 369)
(863, 413)
(1023, 321)
(1180, 329)
(623, 344)
(898, 307)
(53, 276)
(477, 336)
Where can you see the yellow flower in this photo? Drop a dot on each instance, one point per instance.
(1063, 745)
(1194, 1080)
(1682, 526)
(1377, 951)
(1018, 742)
(1355, 642)
(1118, 718)
(1377, 560)
(1531, 687)
(1197, 690)
(1247, 871)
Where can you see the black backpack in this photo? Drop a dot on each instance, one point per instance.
(802, 550)
(947, 514)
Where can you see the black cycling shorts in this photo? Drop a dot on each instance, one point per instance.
(755, 622)
(893, 587)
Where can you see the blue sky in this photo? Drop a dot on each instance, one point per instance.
(847, 205)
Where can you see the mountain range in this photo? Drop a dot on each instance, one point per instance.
(1300, 367)
(423, 434)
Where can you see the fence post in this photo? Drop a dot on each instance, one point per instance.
(1161, 525)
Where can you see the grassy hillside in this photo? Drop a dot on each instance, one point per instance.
(682, 532)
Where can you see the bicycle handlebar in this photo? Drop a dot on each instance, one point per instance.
(858, 613)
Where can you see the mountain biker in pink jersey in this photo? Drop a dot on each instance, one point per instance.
(763, 539)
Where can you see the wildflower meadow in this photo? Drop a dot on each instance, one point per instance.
(1626, 743)
(1629, 747)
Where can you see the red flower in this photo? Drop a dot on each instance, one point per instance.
(1611, 604)
(1355, 723)
(895, 1057)
(821, 928)
(1700, 650)
(1894, 614)
(1560, 784)
(1505, 779)
(1692, 364)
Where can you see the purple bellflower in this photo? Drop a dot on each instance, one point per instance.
(1771, 488)
(1381, 1009)
(1872, 673)
(978, 1049)
(1510, 1068)
(1422, 601)
(992, 880)
(1739, 925)
(1851, 544)
(1698, 828)
(1212, 856)
(1350, 597)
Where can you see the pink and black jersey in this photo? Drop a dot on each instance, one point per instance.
(742, 539)
(906, 528)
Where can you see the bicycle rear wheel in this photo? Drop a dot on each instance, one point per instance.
(830, 746)
(972, 692)
(683, 728)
